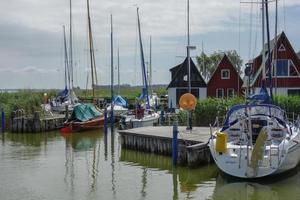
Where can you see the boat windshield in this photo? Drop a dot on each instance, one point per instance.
(240, 110)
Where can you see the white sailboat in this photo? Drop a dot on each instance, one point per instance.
(142, 115)
(257, 139)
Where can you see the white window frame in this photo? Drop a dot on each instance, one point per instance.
(224, 70)
(233, 92)
(290, 62)
(281, 48)
(222, 92)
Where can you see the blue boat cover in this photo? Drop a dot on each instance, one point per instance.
(262, 97)
(85, 112)
(118, 100)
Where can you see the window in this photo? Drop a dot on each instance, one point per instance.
(230, 92)
(220, 93)
(225, 74)
(285, 67)
(281, 48)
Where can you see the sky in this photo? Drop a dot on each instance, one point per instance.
(31, 36)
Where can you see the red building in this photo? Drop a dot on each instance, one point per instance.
(225, 81)
(286, 68)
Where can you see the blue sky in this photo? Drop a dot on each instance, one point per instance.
(31, 40)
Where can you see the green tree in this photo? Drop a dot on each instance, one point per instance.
(208, 64)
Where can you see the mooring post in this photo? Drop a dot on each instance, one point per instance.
(112, 118)
(2, 120)
(105, 120)
(175, 143)
(162, 113)
(67, 112)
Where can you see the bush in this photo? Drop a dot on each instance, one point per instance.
(207, 110)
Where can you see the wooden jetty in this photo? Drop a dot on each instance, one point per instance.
(36, 123)
(192, 145)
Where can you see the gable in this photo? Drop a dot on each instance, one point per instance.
(180, 72)
(223, 66)
(285, 51)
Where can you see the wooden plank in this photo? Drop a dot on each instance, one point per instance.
(197, 135)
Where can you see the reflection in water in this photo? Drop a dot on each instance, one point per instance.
(285, 186)
(83, 142)
(187, 178)
(75, 168)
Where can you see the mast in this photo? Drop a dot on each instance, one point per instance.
(143, 61)
(118, 71)
(112, 71)
(150, 66)
(188, 46)
(275, 45)
(71, 53)
(67, 75)
(92, 56)
(263, 40)
(269, 49)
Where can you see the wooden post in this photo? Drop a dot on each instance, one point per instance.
(162, 112)
(105, 120)
(2, 120)
(175, 143)
(67, 112)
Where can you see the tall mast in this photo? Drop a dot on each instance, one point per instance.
(92, 56)
(112, 69)
(188, 46)
(118, 71)
(143, 60)
(71, 48)
(150, 66)
(275, 45)
(67, 75)
(269, 49)
(263, 40)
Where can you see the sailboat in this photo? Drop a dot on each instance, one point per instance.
(87, 116)
(118, 104)
(67, 96)
(142, 115)
(257, 139)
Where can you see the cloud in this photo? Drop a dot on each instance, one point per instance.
(31, 39)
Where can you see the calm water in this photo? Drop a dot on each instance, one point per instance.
(93, 166)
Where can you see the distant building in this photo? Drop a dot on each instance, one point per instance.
(225, 81)
(179, 83)
(286, 68)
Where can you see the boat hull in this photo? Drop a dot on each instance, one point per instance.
(88, 125)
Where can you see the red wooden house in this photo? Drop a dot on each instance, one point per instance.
(225, 81)
(286, 68)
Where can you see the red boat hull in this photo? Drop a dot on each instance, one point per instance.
(88, 125)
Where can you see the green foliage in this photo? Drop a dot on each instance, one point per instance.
(209, 63)
(26, 100)
(207, 110)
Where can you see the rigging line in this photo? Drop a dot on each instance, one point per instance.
(135, 54)
(250, 31)
(239, 36)
(256, 30)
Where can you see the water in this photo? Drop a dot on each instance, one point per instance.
(93, 166)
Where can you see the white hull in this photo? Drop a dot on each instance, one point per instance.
(148, 120)
(274, 148)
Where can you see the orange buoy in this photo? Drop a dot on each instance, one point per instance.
(187, 102)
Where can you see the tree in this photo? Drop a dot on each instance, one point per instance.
(208, 64)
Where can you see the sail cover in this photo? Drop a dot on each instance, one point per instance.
(85, 112)
(118, 100)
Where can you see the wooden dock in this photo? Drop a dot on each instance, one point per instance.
(192, 145)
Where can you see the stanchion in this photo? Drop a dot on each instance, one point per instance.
(175, 143)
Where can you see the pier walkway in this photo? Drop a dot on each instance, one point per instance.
(192, 145)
